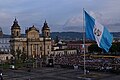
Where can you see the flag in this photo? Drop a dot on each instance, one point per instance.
(95, 31)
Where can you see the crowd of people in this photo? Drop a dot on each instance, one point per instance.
(72, 59)
(99, 63)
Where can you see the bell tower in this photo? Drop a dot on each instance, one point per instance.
(15, 29)
(45, 30)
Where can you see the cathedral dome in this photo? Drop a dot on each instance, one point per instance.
(32, 28)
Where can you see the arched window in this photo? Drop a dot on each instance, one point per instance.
(48, 52)
(40, 48)
(48, 47)
(17, 33)
(47, 33)
(23, 49)
(7, 58)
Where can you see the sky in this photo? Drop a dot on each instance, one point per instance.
(61, 15)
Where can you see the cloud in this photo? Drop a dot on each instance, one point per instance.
(76, 23)
(65, 14)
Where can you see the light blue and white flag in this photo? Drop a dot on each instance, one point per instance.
(96, 31)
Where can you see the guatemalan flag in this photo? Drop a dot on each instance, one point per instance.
(96, 31)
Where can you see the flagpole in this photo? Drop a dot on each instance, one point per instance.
(84, 43)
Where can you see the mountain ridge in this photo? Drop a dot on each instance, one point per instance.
(75, 35)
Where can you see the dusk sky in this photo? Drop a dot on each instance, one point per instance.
(61, 15)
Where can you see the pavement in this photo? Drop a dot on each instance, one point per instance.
(56, 74)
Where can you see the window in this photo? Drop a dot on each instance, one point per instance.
(48, 47)
(23, 49)
(7, 58)
(48, 52)
(18, 48)
(41, 54)
(17, 33)
(47, 34)
(40, 48)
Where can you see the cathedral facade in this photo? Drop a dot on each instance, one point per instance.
(32, 44)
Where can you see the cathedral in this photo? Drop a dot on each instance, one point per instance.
(32, 44)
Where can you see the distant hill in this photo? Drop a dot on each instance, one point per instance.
(75, 35)
(116, 34)
(67, 35)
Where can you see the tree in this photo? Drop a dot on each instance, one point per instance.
(113, 48)
(94, 48)
(23, 56)
(13, 52)
(18, 51)
(118, 46)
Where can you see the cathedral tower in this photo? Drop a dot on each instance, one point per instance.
(15, 29)
(45, 30)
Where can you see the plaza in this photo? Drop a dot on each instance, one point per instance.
(47, 73)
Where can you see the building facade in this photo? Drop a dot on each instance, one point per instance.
(32, 44)
(4, 42)
(63, 52)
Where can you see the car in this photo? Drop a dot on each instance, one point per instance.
(12, 66)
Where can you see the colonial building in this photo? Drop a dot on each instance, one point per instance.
(79, 45)
(32, 44)
(4, 42)
(63, 52)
